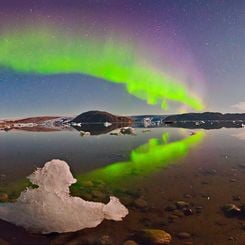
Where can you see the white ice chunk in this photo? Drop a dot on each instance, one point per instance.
(107, 124)
(50, 208)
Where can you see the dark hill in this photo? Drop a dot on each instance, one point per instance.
(206, 116)
(100, 117)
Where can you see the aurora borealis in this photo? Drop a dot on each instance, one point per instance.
(110, 60)
(178, 56)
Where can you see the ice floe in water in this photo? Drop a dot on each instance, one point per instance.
(50, 208)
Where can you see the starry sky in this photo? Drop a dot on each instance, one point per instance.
(200, 43)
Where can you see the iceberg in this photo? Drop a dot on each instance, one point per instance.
(50, 207)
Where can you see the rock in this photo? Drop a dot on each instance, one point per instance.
(231, 209)
(182, 204)
(3, 197)
(130, 242)
(154, 237)
(115, 133)
(140, 203)
(83, 133)
(127, 130)
(199, 209)
(187, 211)
(184, 235)
(98, 194)
(87, 183)
(105, 240)
(187, 196)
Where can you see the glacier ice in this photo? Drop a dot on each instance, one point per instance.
(50, 208)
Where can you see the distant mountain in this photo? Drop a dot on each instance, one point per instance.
(206, 116)
(100, 117)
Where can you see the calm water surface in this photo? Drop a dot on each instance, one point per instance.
(205, 172)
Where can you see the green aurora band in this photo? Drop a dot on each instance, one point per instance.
(46, 52)
(145, 159)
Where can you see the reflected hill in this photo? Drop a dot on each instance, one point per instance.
(100, 128)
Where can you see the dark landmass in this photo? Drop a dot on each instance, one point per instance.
(205, 125)
(100, 117)
(206, 116)
(94, 122)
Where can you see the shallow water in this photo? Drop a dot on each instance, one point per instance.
(207, 172)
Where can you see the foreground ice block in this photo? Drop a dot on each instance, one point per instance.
(50, 208)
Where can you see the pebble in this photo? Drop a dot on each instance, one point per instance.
(105, 240)
(184, 235)
(3, 197)
(130, 242)
(231, 209)
(182, 204)
(199, 209)
(187, 211)
(98, 194)
(188, 196)
(154, 237)
(140, 203)
(87, 183)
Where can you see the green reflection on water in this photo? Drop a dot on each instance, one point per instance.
(145, 159)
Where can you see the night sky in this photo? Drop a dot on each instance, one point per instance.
(198, 43)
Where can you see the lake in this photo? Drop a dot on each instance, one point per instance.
(149, 172)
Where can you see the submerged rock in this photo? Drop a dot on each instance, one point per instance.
(130, 242)
(127, 130)
(184, 235)
(50, 208)
(3, 197)
(154, 237)
(105, 240)
(231, 209)
(140, 203)
(182, 204)
(83, 133)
